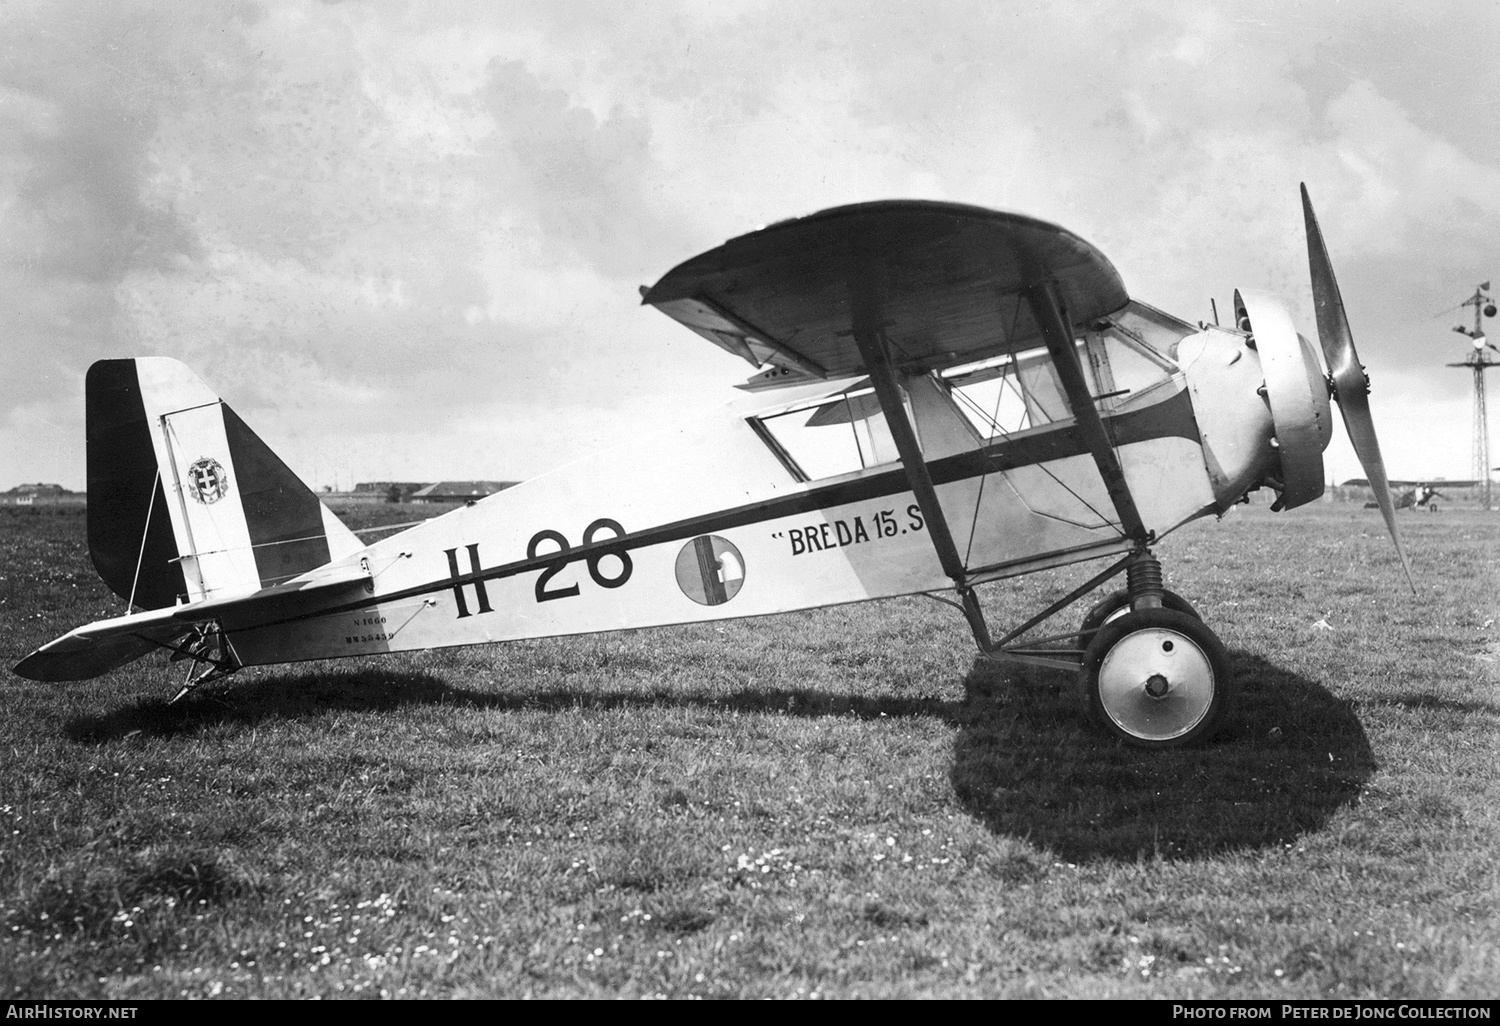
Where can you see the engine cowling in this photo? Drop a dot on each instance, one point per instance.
(1295, 390)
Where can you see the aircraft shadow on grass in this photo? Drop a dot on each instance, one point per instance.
(292, 695)
(1289, 755)
(1026, 763)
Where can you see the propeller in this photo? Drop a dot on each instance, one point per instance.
(1351, 385)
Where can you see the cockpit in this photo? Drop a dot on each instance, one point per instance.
(841, 430)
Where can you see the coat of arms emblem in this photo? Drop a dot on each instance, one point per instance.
(207, 480)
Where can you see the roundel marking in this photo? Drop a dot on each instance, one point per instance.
(207, 480)
(710, 570)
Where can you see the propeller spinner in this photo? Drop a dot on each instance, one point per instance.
(1351, 385)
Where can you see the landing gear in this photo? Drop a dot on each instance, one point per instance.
(1157, 678)
(213, 658)
(1153, 673)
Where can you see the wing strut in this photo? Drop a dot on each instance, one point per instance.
(870, 337)
(1059, 338)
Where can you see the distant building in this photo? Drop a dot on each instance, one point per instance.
(382, 489)
(459, 491)
(40, 495)
(1361, 482)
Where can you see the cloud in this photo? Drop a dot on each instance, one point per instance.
(583, 179)
(385, 223)
(76, 148)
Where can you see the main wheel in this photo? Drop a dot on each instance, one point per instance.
(1117, 603)
(1157, 678)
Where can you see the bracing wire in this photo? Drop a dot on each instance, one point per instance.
(854, 430)
(141, 556)
(994, 428)
(1021, 384)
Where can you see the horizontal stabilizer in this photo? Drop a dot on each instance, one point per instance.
(96, 648)
(69, 658)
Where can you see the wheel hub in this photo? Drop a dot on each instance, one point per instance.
(1156, 684)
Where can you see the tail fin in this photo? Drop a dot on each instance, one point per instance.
(185, 502)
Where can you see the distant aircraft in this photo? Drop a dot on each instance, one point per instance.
(951, 396)
(1413, 494)
(1423, 496)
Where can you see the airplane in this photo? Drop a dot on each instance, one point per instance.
(946, 396)
(1423, 496)
(1416, 494)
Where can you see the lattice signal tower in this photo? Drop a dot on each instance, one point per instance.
(1479, 360)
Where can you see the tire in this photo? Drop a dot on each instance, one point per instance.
(1117, 603)
(1133, 656)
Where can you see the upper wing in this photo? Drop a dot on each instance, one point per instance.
(950, 279)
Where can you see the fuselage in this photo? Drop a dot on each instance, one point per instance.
(715, 518)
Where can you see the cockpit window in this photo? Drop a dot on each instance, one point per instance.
(1129, 356)
(835, 435)
(1009, 394)
(1122, 358)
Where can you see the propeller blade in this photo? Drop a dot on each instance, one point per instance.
(1351, 384)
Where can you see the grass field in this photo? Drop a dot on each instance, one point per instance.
(837, 803)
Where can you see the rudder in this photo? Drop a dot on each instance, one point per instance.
(185, 501)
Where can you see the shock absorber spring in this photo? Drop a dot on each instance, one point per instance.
(1143, 578)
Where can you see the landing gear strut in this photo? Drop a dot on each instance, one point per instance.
(1153, 673)
(213, 658)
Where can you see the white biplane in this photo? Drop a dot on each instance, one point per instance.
(954, 396)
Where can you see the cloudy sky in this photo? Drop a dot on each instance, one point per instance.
(404, 240)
